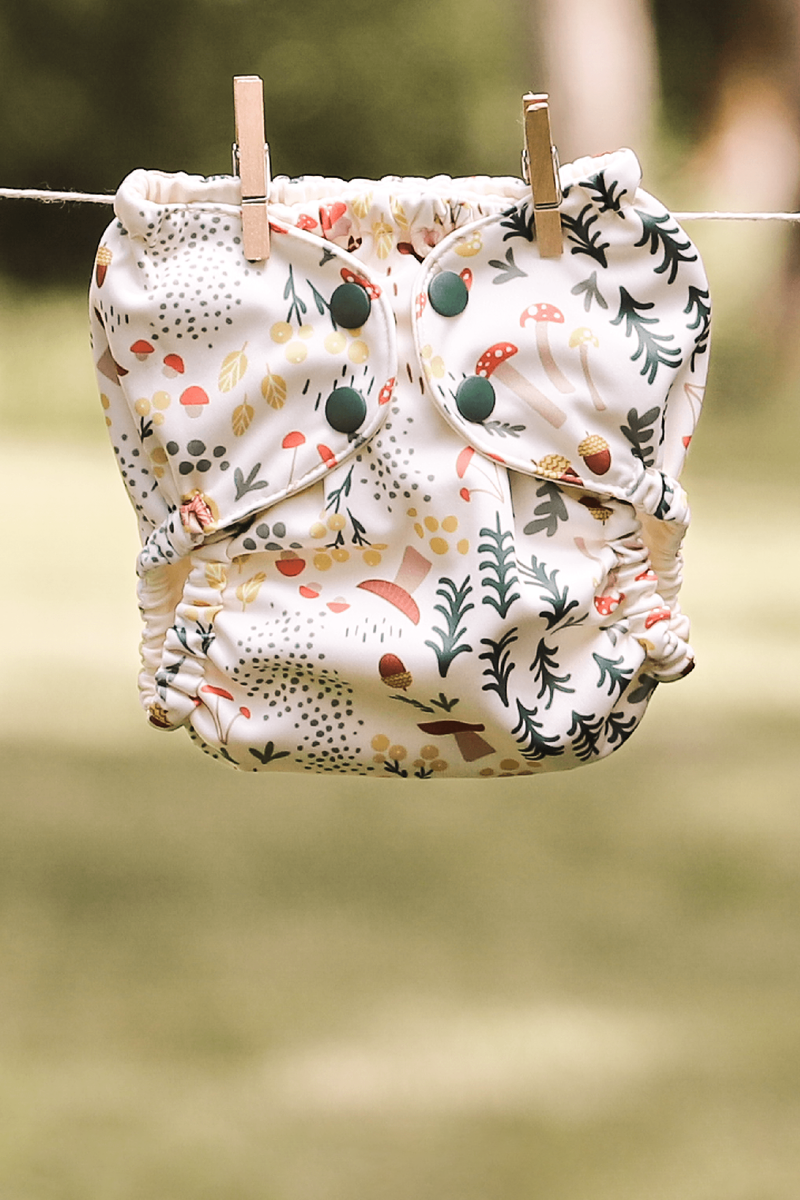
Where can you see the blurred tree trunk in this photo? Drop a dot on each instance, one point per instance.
(600, 66)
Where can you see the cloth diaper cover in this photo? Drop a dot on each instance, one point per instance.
(407, 492)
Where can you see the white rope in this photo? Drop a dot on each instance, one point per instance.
(49, 197)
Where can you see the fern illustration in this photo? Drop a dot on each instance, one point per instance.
(650, 344)
(509, 268)
(269, 753)
(579, 231)
(533, 744)
(502, 429)
(589, 733)
(519, 223)
(640, 432)
(544, 667)
(440, 702)
(611, 670)
(699, 304)
(645, 687)
(607, 196)
(250, 484)
(297, 307)
(557, 598)
(500, 663)
(454, 609)
(501, 576)
(550, 512)
(618, 729)
(590, 291)
(666, 241)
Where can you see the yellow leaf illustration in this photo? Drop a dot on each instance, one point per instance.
(362, 204)
(382, 233)
(247, 592)
(233, 368)
(242, 416)
(398, 213)
(273, 389)
(216, 576)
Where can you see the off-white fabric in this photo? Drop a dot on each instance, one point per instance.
(348, 567)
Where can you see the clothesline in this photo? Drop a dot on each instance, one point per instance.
(51, 197)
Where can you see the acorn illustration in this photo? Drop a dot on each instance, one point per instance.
(101, 263)
(595, 452)
(393, 672)
(599, 511)
(555, 466)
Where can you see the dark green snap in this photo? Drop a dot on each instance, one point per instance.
(345, 409)
(350, 305)
(475, 398)
(448, 294)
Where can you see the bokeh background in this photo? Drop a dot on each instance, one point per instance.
(581, 987)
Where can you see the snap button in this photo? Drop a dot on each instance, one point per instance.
(448, 294)
(475, 398)
(345, 408)
(350, 305)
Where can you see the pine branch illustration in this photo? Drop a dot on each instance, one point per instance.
(534, 746)
(550, 512)
(666, 241)
(416, 703)
(650, 344)
(500, 663)
(699, 304)
(297, 306)
(500, 565)
(590, 291)
(556, 597)
(504, 430)
(610, 669)
(544, 667)
(589, 732)
(579, 231)
(640, 432)
(454, 608)
(607, 196)
(519, 223)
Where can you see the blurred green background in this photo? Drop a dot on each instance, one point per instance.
(576, 988)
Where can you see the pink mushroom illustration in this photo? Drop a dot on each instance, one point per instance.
(495, 362)
(470, 744)
(583, 338)
(413, 570)
(545, 315)
(293, 441)
(223, 731)
(194, 400)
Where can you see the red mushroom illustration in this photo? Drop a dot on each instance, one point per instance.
(327, 455)
(413, 570)
(293, 441)
(470, 744)
(544, 315)
(310, 591)
(194, 400)
(338, 605)
(605, 605)
(467, 276)
(173, 365)
(142, 350)
(583, 338)
(595, 452)
(221, 694)
(393, 672)
(372, 289)
(495, 362)
(101, 264)
(304, 221)
(290, 564)
(464, 461)
(656, 615)
(386, 392)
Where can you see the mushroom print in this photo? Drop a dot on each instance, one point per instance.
(544, 315)
(293, 441)
(413, 570)
(583, 338)
(194, 400)
(142, 350)
(464, 461)
(495, 362)
(467, 737)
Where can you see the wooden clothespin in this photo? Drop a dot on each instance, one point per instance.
(251, 163)
(541, 158)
